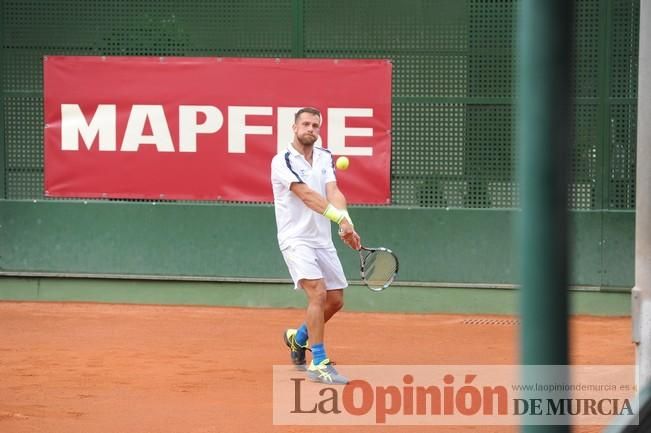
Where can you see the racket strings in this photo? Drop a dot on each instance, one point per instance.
(380, 269)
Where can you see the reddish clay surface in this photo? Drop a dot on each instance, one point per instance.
(86, 368)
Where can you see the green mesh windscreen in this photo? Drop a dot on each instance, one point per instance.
(623, 62)
(454, 89)
(33, 29)
(584, 162)
(24, 146)
(454, 64)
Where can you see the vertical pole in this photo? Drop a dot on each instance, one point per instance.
(642, 291)
(545, 41)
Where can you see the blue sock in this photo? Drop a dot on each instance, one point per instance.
(318, 353)
(301, 335)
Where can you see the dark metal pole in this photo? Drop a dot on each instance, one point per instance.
(544, 114)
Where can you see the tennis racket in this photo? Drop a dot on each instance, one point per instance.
(378, 267)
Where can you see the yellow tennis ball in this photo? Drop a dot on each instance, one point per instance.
(342, 163)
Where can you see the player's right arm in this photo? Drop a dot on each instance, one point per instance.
(282, 173)
(311, 198)
(318, 203)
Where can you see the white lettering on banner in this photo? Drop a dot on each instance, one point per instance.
(73, 124)
(160, 132)
(337, 131)
(238, 129)
(103, 124)
(189, 128)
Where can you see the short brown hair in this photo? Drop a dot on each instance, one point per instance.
(310, 110)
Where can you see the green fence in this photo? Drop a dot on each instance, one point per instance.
(454, 185)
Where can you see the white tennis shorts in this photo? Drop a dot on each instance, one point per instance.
(310, 263)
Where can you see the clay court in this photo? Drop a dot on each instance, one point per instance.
(90, 368)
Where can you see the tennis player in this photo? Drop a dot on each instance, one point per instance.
(306, 199)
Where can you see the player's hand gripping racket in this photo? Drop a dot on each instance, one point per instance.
(378, 267)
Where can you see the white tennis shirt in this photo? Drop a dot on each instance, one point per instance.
(298, 224)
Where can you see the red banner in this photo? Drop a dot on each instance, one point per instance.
(207, 128)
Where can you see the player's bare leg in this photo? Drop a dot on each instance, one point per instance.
(320, 303)
(334, 303)
(316, 307)
(297, 339)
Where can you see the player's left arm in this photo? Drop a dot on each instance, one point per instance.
(347, 232)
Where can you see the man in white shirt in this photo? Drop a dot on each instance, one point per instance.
(306, 197)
